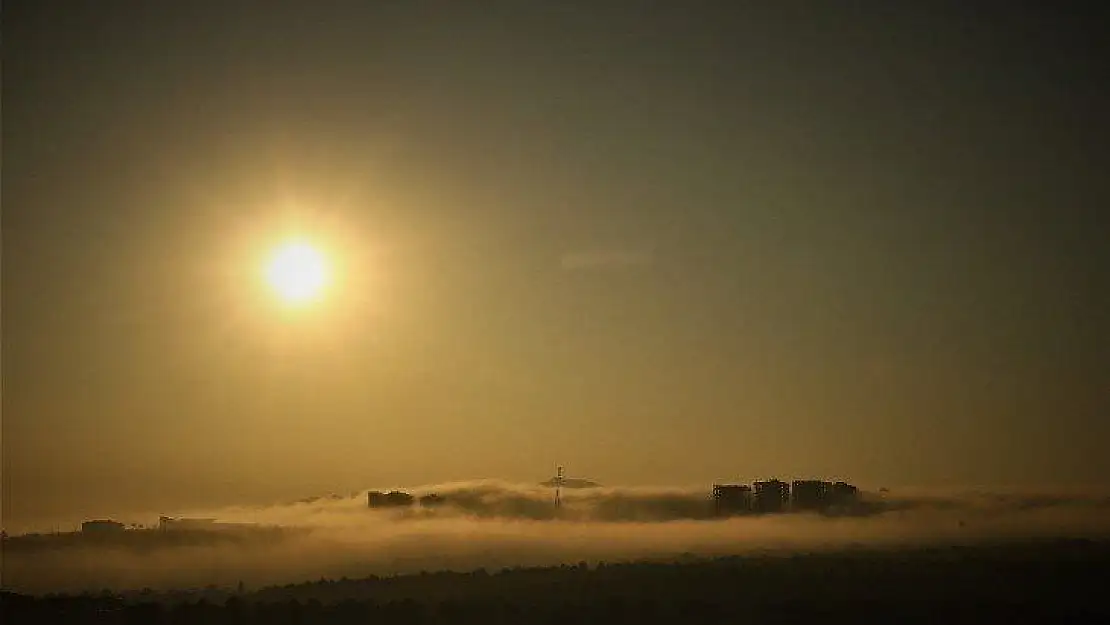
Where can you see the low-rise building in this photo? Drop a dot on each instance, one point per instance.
(102, 526)
(392, 499)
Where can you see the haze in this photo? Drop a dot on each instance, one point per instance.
(660, 243)
(492, 524)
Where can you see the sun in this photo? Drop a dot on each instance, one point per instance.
(297, 272)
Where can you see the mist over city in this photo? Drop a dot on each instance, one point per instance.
(493, 525)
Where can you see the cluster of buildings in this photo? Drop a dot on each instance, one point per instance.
(107, 526)
(761, 497)
(772, 496)
(401, 499)
(102, 526)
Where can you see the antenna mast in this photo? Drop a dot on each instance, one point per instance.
(559, 486)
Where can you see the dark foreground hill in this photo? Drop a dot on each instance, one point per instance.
(1029, 582)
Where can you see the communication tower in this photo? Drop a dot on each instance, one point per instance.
(559, 486)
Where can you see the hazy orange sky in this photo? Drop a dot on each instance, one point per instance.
(667, 243)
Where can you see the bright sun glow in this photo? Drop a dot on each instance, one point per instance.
(297, 272)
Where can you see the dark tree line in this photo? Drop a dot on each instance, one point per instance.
(1027, 583)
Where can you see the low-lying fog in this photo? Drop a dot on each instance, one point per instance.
(495, 524)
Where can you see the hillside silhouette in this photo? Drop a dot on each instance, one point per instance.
(1031, 581)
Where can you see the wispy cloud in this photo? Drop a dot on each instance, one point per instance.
(597, 259)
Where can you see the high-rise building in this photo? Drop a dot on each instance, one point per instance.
(771, 496)
(842, 493)
(809, 494)
(731, 499)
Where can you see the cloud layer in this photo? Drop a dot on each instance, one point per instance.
(495, 524)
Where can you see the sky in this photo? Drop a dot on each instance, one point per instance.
(659, 243)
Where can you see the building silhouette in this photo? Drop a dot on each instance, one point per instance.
(730, 499)
(842, 494)
(392, 499)
(778, 496)
(771, 496)
(809, 495)
(102, 526)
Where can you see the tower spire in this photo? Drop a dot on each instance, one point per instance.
(559, 486)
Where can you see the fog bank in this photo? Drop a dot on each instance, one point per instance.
(494, 524)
